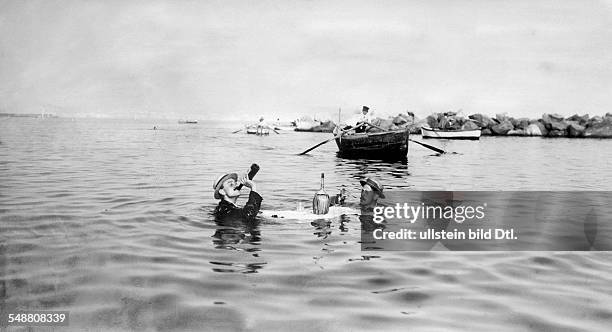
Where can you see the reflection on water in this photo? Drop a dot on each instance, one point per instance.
(238, 235)
(391, 159)
(393, 175)
(231, 232)
(237, 267)
(322, 228)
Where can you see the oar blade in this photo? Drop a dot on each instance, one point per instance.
(438, 150)
(314, 147)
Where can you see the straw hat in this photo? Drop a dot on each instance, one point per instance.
(375, 185)
(219, 183)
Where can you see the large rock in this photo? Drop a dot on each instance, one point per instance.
(533, 130)
(444, 123)
(581, 120)
(559, 125)
(486, 132)
(595, 119)
(455, 123)
(514, 122)
(553, 123)
(501, 117)
(414, 129)
(575, 130)
(469, 125)
(432, 120)
(482, 120)
(400, 120)
(602, 130)
(305, 123)
(502, 128)
(324, 127)
(377, 121)
(516, 132)
(557, 133)
(410, 118)
(521, 123)
(385, 124)
(546, 120)
(542, 127)
(556, 116)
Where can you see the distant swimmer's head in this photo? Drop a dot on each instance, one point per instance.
(226, 186)
(371, 191)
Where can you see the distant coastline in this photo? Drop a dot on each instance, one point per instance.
(27, 115)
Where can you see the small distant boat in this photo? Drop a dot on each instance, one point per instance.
(288, 128)
(385, 145)
(188, 121)
(473, 134)
(254, 131)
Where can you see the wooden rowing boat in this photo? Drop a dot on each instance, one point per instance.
(428, 132)
(254, 131)
(386, 145)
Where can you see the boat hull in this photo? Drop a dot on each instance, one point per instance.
(389, 145)
(253, 131)
(427, 132)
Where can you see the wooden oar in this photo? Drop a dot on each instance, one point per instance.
(236, 131)
(342, 132)
(428, 146)
(276, 131)
(417, 142)
(316, 146)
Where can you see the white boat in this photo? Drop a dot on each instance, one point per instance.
(287, 128)
(257, 131)
(428, 132)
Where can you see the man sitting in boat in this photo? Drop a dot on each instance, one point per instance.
(363, 119)
(227, 192)
(262, 127)
(360, 121)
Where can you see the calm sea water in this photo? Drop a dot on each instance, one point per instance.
(110, 220)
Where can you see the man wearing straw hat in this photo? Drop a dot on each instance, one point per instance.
(371, 191)
(227, 191)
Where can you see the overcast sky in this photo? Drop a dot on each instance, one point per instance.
(241, 59)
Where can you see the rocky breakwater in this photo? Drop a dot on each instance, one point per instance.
(398, 122)
(450, 121)
(307, 124)
(550, 125)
